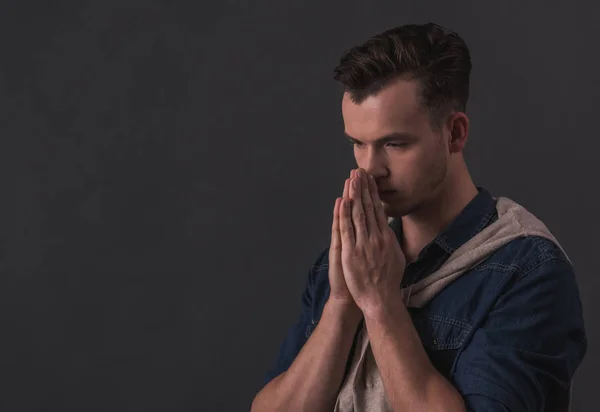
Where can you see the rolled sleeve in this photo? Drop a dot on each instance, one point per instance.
(528, 347)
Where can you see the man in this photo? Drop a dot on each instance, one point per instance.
(433, 295)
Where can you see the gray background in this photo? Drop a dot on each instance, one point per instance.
(168, 172)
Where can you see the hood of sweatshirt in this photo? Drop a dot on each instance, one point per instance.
(514, 221)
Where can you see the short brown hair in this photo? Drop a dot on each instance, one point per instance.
(437, 57)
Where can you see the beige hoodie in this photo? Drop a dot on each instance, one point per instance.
(362, 389)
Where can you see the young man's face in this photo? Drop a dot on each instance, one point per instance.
(412, 162)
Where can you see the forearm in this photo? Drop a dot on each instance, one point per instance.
(312, 381)
(410, 380)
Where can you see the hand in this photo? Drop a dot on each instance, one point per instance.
(372, 260)
(339, 291)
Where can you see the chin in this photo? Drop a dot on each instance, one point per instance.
(395, 210)
(400, 208)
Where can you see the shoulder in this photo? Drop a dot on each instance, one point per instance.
(322, 260)
(318, 282)
(542, 286)
(526, 254)
(530, 270)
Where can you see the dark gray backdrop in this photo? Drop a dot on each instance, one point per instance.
(168, 172)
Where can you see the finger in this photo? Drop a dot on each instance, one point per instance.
(380, 217)
(358, 214)
(346, 193)
(371, 222)
(336, 243)
(346, 189)
(346, 227)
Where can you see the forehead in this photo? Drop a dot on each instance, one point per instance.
(395, 108)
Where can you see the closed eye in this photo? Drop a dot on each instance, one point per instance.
(387, 142)
(397, 144)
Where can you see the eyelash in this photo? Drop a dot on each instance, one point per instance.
(394, 145)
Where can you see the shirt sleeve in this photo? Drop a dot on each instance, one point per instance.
(528, 347)
(297, 334)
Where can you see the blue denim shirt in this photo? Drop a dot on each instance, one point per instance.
(508, 334)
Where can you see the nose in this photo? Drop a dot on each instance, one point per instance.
(373, 163)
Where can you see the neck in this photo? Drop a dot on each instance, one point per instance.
(436, 214)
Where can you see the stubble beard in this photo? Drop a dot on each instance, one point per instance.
(428, 190)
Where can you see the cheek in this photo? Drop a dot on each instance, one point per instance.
(411, 168)
(407, 163)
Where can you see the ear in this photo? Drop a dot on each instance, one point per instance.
(458, 126)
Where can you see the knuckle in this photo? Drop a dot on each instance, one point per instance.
(376, 242)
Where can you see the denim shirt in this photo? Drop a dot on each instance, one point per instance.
(508, 334)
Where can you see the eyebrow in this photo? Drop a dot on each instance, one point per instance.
(386, 138)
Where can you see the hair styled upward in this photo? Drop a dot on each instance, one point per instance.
(434, 56)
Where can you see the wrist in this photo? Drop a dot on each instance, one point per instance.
(384, 311)
(344, 311)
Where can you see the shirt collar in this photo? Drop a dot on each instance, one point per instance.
(471, 220)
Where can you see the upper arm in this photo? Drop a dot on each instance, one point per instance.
(531, 343)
